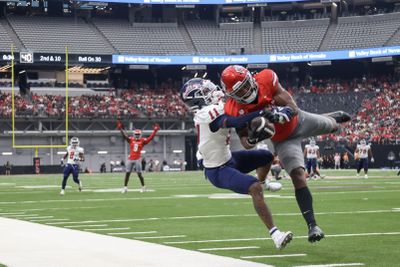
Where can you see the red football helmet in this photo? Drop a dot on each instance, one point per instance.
(238, 83)
(137, 133)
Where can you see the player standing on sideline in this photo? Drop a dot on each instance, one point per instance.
(337, 161)
(74, 155)
(136, 144)
(223, 168)
(249, 93)
(363, 150)
(311, 152)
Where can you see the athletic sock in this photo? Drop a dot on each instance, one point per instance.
(304, 200)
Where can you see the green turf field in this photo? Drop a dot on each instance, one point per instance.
(361, 217)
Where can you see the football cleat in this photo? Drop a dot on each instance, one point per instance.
(143, 189)
(80, 186)
(339, 116)
(366, 176)
(62, 192)
(273, 186)
(124, 190)
(281, 239)
(315, 234)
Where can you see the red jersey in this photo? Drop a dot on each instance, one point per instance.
(136, 145)
(267, 81)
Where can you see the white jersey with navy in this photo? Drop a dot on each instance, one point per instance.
(213, 146)
(363, 151)
(73, 154)
(312, 151)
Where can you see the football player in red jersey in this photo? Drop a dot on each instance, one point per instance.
(136, 144)
(247, 93)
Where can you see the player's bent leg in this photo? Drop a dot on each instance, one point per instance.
(339, 116)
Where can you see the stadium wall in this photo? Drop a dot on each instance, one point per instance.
(161, 148)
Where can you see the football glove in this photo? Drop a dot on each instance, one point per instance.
(280, 115)
(156, 127)
(119, 125)
(257, 135)
(372, 160)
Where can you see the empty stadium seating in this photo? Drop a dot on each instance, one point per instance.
(293, 36)
(52, 34)
(364, 31)
(143, 38)
(5, 40)
(210, 39)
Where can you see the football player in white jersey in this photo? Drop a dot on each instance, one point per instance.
(74, 155)
(363, 150)
(223, 168)
(311, 152)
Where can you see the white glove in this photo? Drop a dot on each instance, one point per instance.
(372, 160)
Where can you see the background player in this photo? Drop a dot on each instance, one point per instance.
(247, 93)
(136, 144)
(222, 168)
(311, 153)
(363, 150)
(74, 155)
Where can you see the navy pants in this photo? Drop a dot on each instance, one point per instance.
(233, 174)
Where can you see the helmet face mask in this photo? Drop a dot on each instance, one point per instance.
(74, 141)
(312, 142)
(198, 92)
(363, 142)
(238, 83)
(137, 133)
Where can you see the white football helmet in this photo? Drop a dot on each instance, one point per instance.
(74, 141)
(198, 92)
(312, 142)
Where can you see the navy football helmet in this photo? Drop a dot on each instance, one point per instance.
(198, 92)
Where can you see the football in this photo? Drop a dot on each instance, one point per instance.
(262, 128)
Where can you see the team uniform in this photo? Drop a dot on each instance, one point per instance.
(248, 93)
(223, 168)
(136, 147)
(74, 155)
(288, 136)
(136, 144)
(363, 149)
(312, 156)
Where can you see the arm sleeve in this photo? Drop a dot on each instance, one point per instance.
(225, 121)
(148, 139)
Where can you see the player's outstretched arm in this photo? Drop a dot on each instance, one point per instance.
(120, 127)
(156, 128)
(225, 121)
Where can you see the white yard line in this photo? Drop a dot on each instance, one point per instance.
(172, 197)
(24, 215)
(133, 233)
(36, 217)
(49, 220)
(273, 256)
(332, 265)
(159, 237)
(227, 248)
(267, 238)
(12, 213)
(48, 246)
(87, 225)
(223, 216)
(107, 229)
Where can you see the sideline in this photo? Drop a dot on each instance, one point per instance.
(31, 244)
